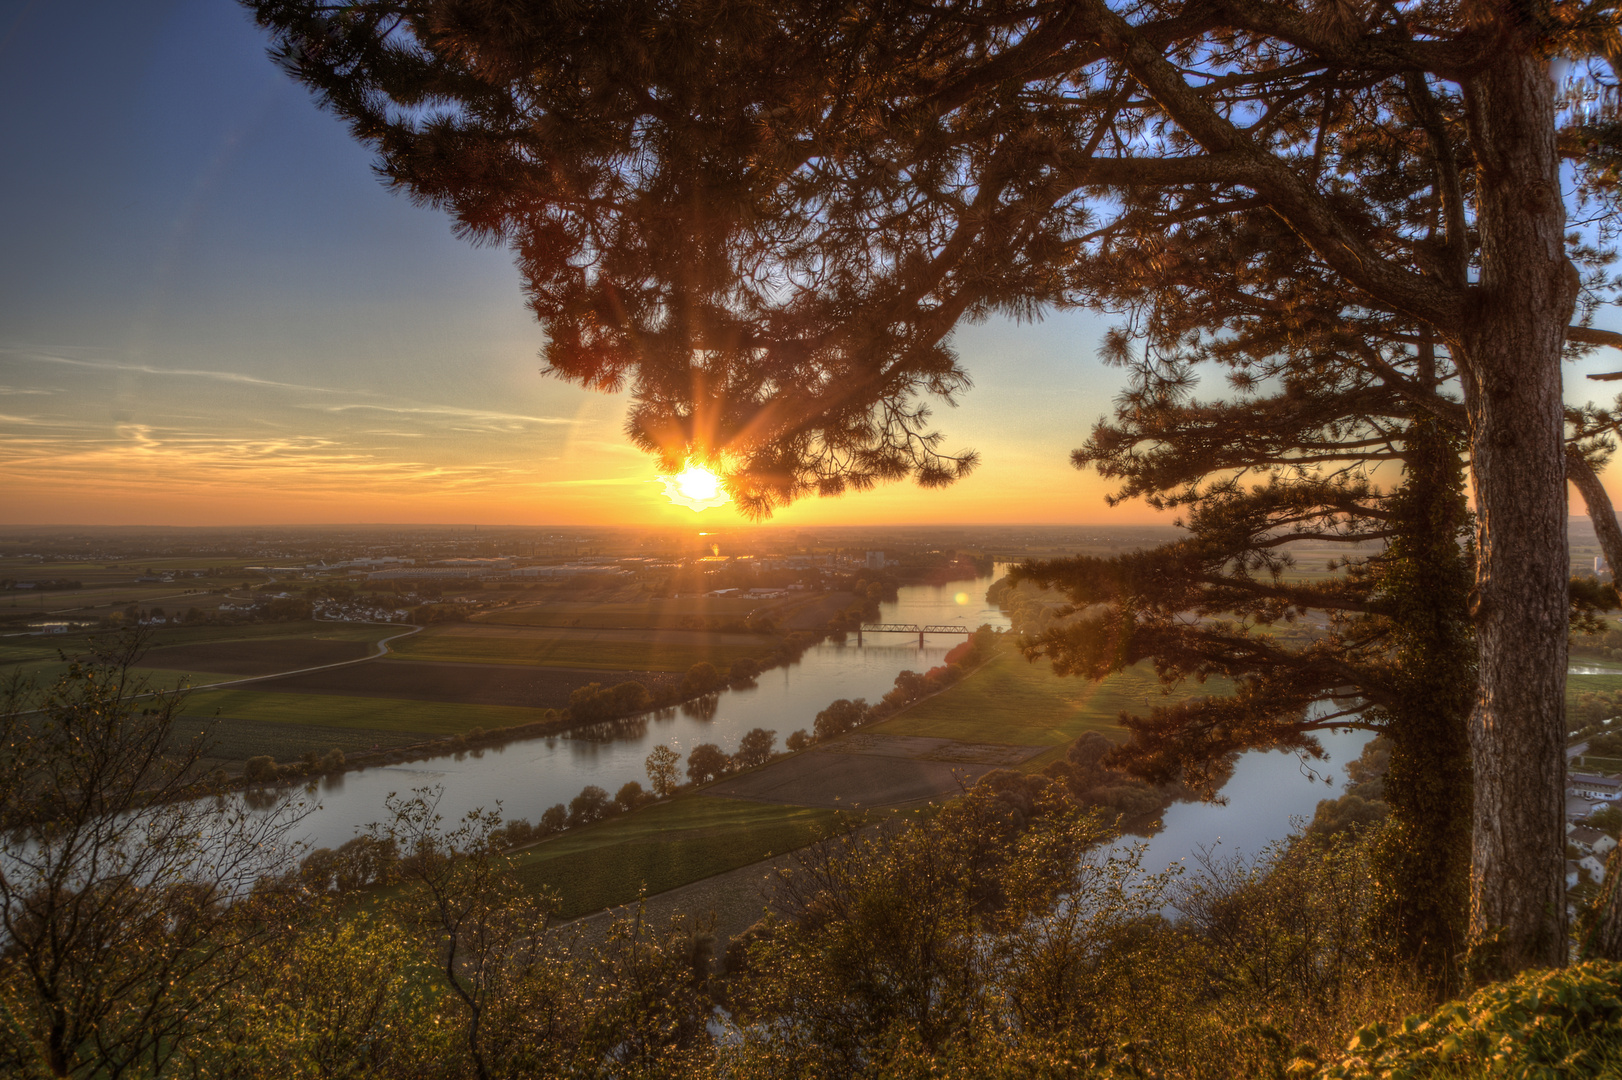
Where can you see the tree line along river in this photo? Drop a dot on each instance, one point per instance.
(1266, 792)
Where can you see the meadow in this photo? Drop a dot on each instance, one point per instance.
(606, 650)
(670, 613)
(204, 654)
(425, 719)
(1011, 700)
(664, 846)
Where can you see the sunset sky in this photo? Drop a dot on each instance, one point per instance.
(211, 312)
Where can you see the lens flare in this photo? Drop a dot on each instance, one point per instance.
(696, 488)
(962, 598)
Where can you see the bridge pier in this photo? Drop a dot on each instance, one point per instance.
(858, 635)
(920, 639)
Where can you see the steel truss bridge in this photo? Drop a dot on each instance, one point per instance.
(911, 628)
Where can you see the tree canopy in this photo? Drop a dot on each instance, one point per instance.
(765, 219)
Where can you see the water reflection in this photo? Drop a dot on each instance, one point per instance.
(262, 798)
(625, 727)
(702, 708)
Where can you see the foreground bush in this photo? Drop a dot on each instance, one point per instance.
(1563, 1023)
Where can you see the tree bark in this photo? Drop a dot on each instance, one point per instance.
(1600, 512)
(1510, 354)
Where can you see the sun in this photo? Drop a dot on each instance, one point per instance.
(696, 488)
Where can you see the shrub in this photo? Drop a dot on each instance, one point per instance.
(592, 702)
(701, 678)
(630, 697)
(556, 818)
(1565, 1023)
(590, 805)
(755, 748)
(798, 741)
(706, 762)
(661, 765)
(630, 796)
(517, 832)
(840, 717)
(260, 769)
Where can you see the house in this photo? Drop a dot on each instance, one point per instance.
(1591, 841)
(1595, 868)
(1572, 874)
(1594, 786)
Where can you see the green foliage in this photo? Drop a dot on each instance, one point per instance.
(1423, 580)
(843, 715)
(594, 703)
(705, 762)
(661, 767)
(1565, 1023)
(662, 846)
(701, 678)
(129, 901)
(260, 769)
(755, 748)
(878, 932)
(592, 804)
(1607, 819)
(1090, 782)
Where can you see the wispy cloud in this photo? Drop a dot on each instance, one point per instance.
(22, 390)
(451, 412)
(145, 456)
(153, 369)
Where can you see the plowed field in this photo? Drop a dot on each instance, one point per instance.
(476, 684)
(264, 657)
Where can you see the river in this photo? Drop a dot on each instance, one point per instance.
(528, 776)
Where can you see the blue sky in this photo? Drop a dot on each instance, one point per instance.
(211, 311)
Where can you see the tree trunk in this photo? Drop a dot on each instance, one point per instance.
(1600, 512)
(1510, 361)
(1422, 856)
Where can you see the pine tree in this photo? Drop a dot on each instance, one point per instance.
(766, 219)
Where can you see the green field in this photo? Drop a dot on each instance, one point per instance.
(46, 646)
(1587, 684)
(655, 613)
(1024, 704)
(664, 846)
(235, 651)
(605, 650)
(380, 714)
(232, 741)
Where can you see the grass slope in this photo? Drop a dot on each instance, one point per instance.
(1024, 704)
(664, 846)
